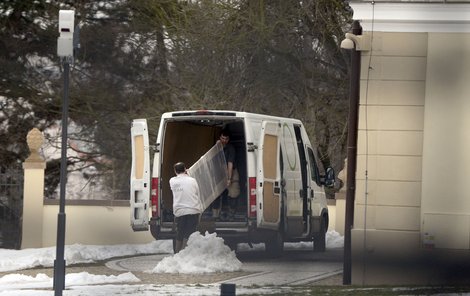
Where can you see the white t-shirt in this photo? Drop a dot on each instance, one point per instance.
(185, 195)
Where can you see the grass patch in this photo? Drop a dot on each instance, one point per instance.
(364, 291)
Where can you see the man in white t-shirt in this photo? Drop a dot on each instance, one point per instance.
(187, 206)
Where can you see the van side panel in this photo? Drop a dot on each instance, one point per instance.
(291, 172)
(293, 182)
(318, 204)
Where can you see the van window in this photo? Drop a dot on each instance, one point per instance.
(314, 174)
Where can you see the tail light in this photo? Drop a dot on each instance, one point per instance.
(154, 197)
(252, 205)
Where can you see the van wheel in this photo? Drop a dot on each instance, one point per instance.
(319, 239)
(275, 246)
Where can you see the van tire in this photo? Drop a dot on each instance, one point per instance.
(275, 246)
(319, 239)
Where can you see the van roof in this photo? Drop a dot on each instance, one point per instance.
(223, 113)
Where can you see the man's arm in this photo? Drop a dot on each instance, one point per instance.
(229, 172)
(230, 161)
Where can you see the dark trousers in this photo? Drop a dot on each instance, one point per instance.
(186, 225)
(232, 202)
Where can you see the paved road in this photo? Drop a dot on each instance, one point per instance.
(297, 267)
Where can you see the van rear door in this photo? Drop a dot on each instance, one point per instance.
(140, 176)
(268, 185)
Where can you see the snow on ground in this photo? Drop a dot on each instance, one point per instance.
(333, 241)
(15, 281)
(11, 260)
(146, 290)
(204, 254)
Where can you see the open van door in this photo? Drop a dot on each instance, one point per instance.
(140, 176)
(268, 187)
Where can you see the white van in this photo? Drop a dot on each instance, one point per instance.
(282, 197)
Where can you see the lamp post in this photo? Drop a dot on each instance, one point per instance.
(65, 49)
(356, 42)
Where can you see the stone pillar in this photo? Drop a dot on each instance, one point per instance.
(33, 192)
(341, 200)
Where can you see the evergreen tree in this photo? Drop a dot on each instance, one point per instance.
(141, 58)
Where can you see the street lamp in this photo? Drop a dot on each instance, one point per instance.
(66, 43)
(356, 42)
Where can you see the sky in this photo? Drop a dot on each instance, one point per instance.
(204, 254)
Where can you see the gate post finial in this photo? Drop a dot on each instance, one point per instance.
(35, 139)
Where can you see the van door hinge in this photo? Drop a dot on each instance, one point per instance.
(155, 148)
(251, 147)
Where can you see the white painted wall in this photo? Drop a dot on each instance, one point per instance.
(446, 144)
(92, 225)
(413, 138)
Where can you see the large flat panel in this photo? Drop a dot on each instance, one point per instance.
(391, 168)
(210, 172)
(394, 68)
(391, 117)
(450, 231)
(392, 92)
(390, 142)
(389, 193)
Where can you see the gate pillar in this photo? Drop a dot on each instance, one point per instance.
(33, 192)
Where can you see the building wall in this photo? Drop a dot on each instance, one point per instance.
(414, 225)
(91, 223)
(390, 142)
(445, 198)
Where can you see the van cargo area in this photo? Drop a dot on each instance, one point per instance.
(187, 141)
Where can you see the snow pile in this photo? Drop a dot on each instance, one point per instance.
(203, 254)
(28, 258)
(334, 240)
(20, 281)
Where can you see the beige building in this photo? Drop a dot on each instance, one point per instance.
(412, 208)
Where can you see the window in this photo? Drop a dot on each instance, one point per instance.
(314, 174)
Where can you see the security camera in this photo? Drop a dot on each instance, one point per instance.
(66, 28)
(66, 22)
(347, 44)
(361, 42)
